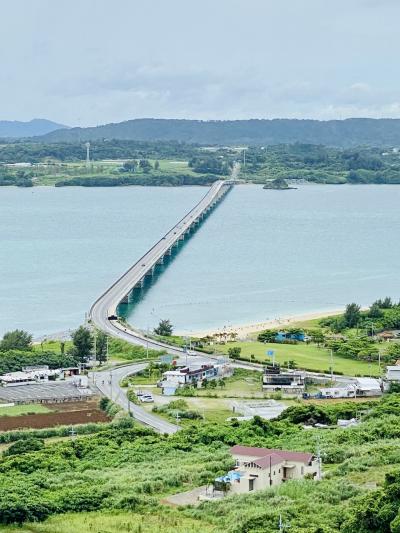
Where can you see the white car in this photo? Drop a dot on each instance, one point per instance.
(146, 398)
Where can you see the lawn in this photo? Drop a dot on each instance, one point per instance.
(18, 410)
(306, 356)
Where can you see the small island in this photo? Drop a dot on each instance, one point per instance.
(278, 184)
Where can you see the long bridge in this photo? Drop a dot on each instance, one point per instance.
(103, 313)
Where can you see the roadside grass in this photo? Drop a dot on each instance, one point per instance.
(18, 410)
(307, 356)
(51, 346)
(116, 522)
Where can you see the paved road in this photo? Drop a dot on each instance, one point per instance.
(106, 305)
(108, 382)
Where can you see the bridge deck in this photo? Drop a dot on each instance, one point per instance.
(107, 304)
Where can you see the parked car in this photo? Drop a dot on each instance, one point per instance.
(146, 398)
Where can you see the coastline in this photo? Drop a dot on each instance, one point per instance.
(245, 330)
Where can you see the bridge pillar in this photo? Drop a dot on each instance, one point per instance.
(125, 299)
(160, 261)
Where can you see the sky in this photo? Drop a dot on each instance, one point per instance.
(90, 62)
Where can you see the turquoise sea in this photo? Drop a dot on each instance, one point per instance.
(260, 255)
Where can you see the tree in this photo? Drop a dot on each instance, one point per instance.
(156, 165)
(16, 340)
(101, 347)
(375, 311)
(129, 166)
(234, 353)
(82, 344)
(352, 315)
(164, 328)
(145, 165)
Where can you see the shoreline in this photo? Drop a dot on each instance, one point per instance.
(244, 330)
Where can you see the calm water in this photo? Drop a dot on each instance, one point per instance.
(260, 255)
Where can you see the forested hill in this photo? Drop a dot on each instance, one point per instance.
(343, 133)
(38, 126)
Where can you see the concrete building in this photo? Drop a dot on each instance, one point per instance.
(261, 468)
(274, 379)
(361, 387)
(29, 375)
(192, 376)
(393, 374)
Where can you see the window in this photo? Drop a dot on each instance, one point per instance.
(279, 471)
(302, 470)
(251, 484)
(274, 472)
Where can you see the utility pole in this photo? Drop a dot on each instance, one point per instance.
(87, 157)
(95, 345)
(331, 367)
(319, 461)
(283, 526)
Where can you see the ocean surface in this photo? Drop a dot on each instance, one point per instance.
(261, 254)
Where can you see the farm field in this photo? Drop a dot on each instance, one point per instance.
(39, 416)
(308, 357)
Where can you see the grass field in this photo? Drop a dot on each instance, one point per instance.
(306, 356)
(53, 173)
(51, 346)
(115, 522)
(18, 410)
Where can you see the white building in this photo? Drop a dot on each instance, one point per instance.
(29, 375)
(360, 387)
(393, 373)
(192, 376)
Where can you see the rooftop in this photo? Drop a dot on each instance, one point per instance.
(267, 456)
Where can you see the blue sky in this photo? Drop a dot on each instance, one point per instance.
(96, 61)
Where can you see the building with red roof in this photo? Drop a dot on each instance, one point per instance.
(261, 468)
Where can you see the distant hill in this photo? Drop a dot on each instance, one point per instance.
(349, 132)
(37, 126)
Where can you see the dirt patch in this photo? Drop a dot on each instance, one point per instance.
(90, 403)
(47, 420)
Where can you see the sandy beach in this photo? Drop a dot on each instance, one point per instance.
(245, 330)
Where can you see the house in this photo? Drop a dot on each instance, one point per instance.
(261, 468)
(368, 387)
(360, 387)
(338, 392)
(393, 374)
(192, 376)
(276, 380)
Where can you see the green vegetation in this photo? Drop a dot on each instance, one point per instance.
(16, 340)
(116, 522)
(177, 409)
(17, 410)
(350, 132)
(321, 164)
(122, 350)
(164, 328)
(13, 360)
(124, 473)
(306, 356)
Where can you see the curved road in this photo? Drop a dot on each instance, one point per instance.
(108, 382)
